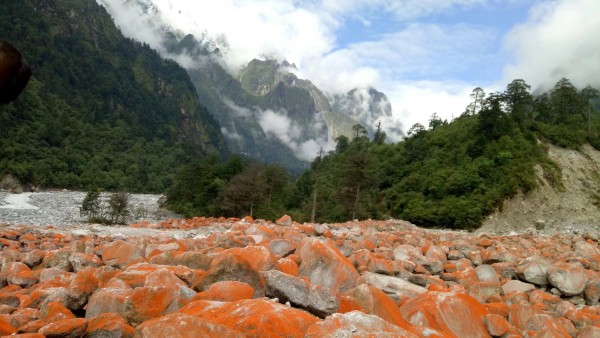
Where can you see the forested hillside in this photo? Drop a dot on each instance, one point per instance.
(444, 175)
(100, 109)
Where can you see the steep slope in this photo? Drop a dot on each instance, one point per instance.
(265, 112)
(573, 204)
(101, 109)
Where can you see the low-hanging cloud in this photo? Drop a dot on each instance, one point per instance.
(304, 141)
(415, 102)
(282, 128)
(558, 40)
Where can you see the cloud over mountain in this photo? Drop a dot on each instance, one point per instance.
(558, 40)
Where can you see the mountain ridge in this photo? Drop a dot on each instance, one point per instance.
(241, 97)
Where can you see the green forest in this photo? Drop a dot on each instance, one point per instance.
(100, 110)
(448, 175)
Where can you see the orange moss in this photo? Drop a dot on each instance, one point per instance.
(226, 291)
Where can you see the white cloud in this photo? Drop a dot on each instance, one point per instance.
(415, 102)
(558, 40)
(419, 50)
(304, 32)
(280, 126)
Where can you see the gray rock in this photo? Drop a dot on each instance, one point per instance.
(432, 265)
(516, 285)
(358, 324)
(193, 260)
(81, 261)
(299, 293)
(34, 258)
(585, 249)
(53, 273)
(59, 260)
(534, 270)
(592, 293)
(486, 273)
(455, 255)
(570, 280)
(418, 280)
(393, 286)
(281, 247)
(109, 300)
(405, 252)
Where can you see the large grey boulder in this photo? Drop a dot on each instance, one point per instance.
(299, 293)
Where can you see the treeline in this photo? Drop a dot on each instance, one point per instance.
(445, 174)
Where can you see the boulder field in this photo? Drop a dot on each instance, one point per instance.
(207, 277)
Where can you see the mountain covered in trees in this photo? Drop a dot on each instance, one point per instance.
(446, 174)
(100, 109)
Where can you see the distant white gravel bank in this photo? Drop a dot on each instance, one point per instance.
(61, 208)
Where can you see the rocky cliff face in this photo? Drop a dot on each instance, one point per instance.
(570, 205)
(267, 112)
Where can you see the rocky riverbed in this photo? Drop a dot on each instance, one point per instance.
(206, 277)
(61, 208)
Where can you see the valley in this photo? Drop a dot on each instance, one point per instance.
(162, 180)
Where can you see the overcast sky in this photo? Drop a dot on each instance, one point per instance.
(425, 55)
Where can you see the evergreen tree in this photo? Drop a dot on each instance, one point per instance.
(379, 137)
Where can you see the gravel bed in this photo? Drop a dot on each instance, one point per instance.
(61, 208)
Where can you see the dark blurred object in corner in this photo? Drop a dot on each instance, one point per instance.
(14, 73)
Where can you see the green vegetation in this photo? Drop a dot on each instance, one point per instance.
(114, 211)
(236, 187)
(100, 110)
(447, 175)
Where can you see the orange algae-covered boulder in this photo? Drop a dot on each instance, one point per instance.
(356, 324)
(453, 313)
(179, 325)
(6, 328)
(55, 311)
(259, 318)
(109, 325)
(285, 220)
(226, 291)
(259, 257)
(496, 324)
(74, 327)
(324, 264)
(520, 314)
(374, 301)
(289, 266)
(163, 277)
(200, 307)
(148, 302)
(80, 288)
(232, 266)
(121, 253)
